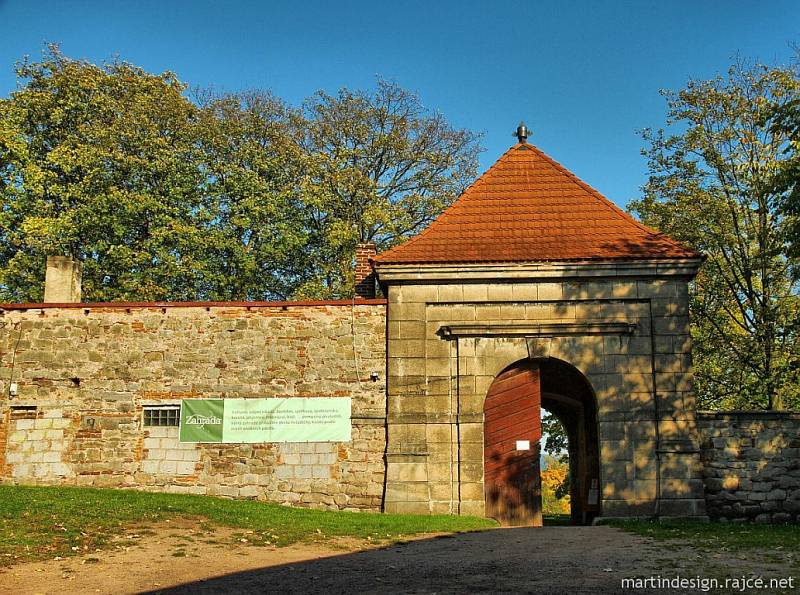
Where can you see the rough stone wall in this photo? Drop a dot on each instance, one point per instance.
(436, 387)
(751, 464)
(85, 375)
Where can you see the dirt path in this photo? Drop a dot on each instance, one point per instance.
(550, 560)
(140, 561)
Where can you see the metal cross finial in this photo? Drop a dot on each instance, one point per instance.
(522, 133)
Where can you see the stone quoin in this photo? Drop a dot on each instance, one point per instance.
(531, 288)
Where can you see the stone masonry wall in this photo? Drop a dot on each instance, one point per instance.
(751, 463)
(436, 387)
(85, 374)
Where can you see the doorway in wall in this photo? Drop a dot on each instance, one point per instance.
(512, 440)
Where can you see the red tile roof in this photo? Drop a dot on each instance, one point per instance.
(528, 208)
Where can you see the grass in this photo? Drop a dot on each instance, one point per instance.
(715, 536)
(44, 522)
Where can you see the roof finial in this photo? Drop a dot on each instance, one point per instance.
(522, 133)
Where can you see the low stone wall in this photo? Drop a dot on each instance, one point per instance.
(751, 463)
(84, 377)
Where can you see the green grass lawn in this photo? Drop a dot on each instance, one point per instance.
(716, 536)
(43, 522)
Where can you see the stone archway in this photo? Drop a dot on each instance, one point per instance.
(512, 436)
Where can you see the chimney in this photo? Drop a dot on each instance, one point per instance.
(365, 276)
(62, 281)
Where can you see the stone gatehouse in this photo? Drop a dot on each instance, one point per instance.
(531, 291)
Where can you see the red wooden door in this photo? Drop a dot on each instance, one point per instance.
(512, 432)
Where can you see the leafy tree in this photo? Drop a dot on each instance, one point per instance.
(712, 185)
(99, 163)
(556, 447)
(785, 120)
(555, 487)
(229, 197)
(382, 167)
(257, 228)
(557, 443)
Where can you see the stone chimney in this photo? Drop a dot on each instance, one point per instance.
(365, 276)
(62, 281)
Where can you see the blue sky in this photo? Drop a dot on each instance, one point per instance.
(583, 75)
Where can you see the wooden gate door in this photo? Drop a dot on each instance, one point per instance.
(512, 432)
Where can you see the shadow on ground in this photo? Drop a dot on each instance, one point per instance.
(521, 560)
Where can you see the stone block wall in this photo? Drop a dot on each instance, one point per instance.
(436, 387)
(84, 376)
(36, 446)
(751, 464)
(165, 454)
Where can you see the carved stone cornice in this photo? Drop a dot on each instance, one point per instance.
(537, 329)
(532, 271)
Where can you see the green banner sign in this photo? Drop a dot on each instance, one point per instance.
(295, 419)
(201, 420)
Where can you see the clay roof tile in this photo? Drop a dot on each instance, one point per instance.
(529, 208)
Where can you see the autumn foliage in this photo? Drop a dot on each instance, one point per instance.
(553, 478)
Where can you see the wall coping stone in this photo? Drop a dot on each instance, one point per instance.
(145, 305)
(755, 415)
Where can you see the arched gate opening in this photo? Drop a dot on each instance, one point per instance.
(512, 437)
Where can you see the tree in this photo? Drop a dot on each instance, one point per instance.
(257, 231)
(785, 120)
(383, 167)
(555, 487)
(556, 448)
(712, 185)
(98, 163)
(229, 197)
(557, 442)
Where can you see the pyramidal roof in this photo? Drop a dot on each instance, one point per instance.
(528, 208)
